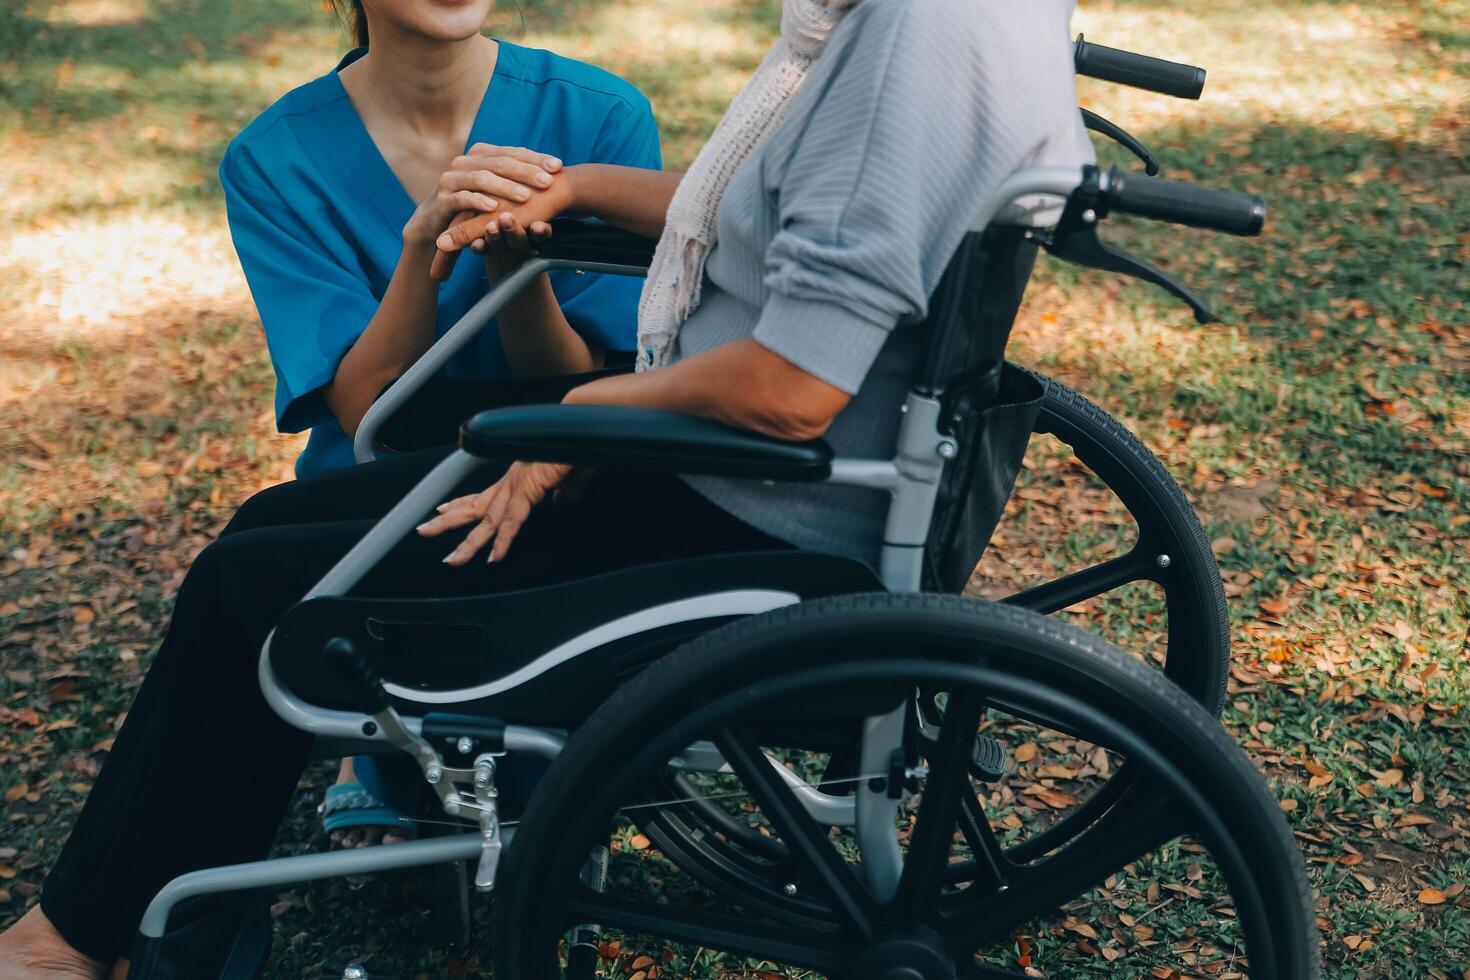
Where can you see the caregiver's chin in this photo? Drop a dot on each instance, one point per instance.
(429, 22)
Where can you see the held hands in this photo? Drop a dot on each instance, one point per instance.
(505, 244)
(497, 512)
(485, 179)
(506, 234)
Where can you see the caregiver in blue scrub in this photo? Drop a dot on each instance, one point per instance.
(337, 192)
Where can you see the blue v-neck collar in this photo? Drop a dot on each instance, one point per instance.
(369, 168)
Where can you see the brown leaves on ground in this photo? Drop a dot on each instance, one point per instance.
(1243, 502)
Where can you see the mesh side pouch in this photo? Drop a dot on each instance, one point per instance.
(978, 481)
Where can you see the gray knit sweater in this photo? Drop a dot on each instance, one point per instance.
(835, 232)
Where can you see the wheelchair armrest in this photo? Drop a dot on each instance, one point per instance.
(616, 435)
(580, 240)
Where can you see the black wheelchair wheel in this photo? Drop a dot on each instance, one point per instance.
(1198, 628)
(1170, 549)
(1005, 671)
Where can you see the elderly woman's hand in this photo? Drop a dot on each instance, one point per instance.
(497, 512)
(507, 229)
(485, 179)
(506, 243)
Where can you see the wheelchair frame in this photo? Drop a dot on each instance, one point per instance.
(911, 478)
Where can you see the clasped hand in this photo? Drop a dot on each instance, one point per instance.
(496, 184)
(504, 235)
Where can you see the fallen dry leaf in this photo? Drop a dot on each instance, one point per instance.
(1054, 798)
(1392, 777)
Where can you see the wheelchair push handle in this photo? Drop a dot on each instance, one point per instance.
(1138, 70)
(359, 678)
(1184, 204)
(583, 240)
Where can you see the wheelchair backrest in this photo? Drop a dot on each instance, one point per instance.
(988, 408)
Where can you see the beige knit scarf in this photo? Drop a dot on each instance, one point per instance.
(671, 291)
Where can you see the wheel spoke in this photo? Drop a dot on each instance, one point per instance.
(765, 847)
(990, 860)
(947, 785)
(765, 941)
(1073, 823)
(993, 861)
(1143, 821)
(806, 839)
(1088, 583)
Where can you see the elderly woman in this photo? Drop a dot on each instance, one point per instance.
(795, 263)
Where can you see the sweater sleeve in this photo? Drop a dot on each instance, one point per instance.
(910, 116)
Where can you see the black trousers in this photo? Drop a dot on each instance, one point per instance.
(202, 771)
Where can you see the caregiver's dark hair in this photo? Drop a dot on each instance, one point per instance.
(351, 10)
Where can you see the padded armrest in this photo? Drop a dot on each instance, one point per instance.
(580, 240)
(615, 435)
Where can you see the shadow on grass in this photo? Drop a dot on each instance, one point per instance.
(168, 33)
(199, 69)
(1360, 250)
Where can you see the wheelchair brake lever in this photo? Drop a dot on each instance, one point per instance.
(1084, 247)
(363, 686)
(1075, 240)
(1122, 137)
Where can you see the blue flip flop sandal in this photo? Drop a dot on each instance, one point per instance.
(353, 805)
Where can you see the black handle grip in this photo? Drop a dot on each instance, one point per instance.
(358, 676)
(1185, 204)
(1139, 70)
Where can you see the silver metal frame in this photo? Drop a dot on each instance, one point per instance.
(305, 867)
(364, 443)
(911, 478)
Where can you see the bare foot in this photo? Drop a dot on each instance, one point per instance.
(32, 949)
(350, 837)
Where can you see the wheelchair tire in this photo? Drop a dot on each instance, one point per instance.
(1198, 654)
(1189, 777)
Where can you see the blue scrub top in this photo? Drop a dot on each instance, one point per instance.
(317, 217)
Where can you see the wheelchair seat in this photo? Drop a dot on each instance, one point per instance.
(549, 655)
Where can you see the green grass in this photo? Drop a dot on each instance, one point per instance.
(1322, 424)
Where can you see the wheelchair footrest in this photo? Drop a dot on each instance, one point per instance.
(988, 759)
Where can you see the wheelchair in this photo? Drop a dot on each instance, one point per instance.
(792, 757)
(1169, 548)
